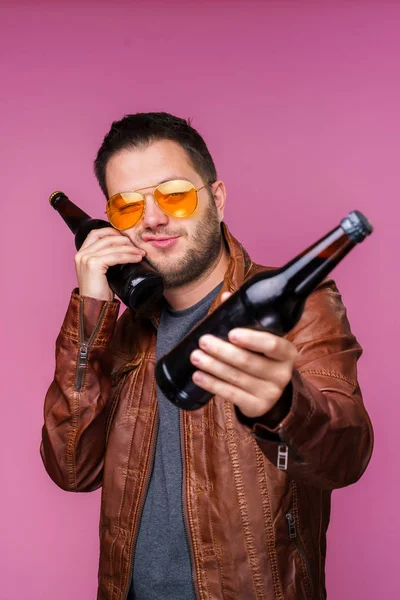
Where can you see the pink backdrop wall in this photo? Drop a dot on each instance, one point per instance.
(299, 103)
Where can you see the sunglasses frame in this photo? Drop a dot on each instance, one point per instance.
(137, 191)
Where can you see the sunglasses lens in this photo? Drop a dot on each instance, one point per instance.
(124, 210)
(177, 198)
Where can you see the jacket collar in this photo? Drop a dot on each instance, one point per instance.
(239, 261)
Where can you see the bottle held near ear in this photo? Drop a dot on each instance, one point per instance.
(138, 285)
(271, 301)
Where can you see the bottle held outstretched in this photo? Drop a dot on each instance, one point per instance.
(271, 301)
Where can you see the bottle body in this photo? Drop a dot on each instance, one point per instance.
(174, 370)
(137, 285)
(271, 301)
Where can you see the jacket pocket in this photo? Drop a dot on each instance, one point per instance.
(305, 562)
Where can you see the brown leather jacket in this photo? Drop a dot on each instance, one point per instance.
(254, 531)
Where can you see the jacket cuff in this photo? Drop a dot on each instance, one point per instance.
(93, 310)
(267, 425)
(302, 405)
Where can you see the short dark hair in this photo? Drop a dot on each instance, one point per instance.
(140, 129)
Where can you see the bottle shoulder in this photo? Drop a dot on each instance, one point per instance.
(84, 227)
(259, 287)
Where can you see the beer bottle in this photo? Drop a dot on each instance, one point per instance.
(271, 301)
(138, 285)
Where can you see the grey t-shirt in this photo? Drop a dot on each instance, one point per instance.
(162, 568)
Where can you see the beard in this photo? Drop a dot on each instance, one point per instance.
(201, 256)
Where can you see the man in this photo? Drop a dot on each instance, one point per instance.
(193, 503)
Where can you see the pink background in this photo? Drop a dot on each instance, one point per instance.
(299, 103)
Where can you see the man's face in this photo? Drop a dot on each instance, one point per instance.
(180, 249)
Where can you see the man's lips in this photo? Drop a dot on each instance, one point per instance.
(160, 241)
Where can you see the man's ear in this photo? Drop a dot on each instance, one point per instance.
(218, 191)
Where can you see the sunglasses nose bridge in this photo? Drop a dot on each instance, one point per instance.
(153, 214)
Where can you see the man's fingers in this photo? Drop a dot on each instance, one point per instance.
(119, 241)
(250, 405)
(96, 262)
(98, 234)
(230, 354)
(102, 257)
(265, 343)
(242, 376)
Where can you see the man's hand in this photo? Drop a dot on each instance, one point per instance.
(251, 370)
(102, 249)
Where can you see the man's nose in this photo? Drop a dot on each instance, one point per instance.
(153, 215)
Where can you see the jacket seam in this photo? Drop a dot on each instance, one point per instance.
(269, 529)
(326, 373)
(117, 526)
(99, 342)
(132, 385)
(70, 447)
(306, 575)
(113, 407)
(71, 444)
(241, 496)
(210, 514)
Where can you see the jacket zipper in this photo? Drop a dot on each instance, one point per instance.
(84, 347)
(142, 502)
(292, 527)
(184, 508)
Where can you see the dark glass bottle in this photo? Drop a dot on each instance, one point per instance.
(271, 301)
(138, 285)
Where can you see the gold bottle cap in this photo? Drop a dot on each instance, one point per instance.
(55, 194)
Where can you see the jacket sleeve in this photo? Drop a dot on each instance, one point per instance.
(77, 402)
(326, 437)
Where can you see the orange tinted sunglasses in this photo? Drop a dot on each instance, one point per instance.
(177, 198)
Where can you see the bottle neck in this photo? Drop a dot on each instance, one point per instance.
(307, 270)
(70, 213)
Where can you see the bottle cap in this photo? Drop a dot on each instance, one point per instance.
(56, 196)
(356, 226)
